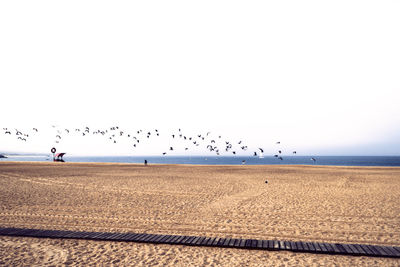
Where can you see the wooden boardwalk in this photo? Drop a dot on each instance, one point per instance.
(309, 247)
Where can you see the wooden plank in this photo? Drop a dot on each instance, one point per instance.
(388, 251)
(204, 242)
(93, 237)
(374, 251)
(317, 247)
(396, 248)
(242, 243)
(336, 249)
(182, 241)
(107, 236)
(69, 234)
(170, 239)
(47, 234)
(33, 232)
(190, 240)
(355, 251)
(39, 233)
(276, 244)
(164, 239)
(186, 240)
(123, 237)
(367, 250)
(111, 237)
(64, 233)
(247, 244)
(380, 251)
(329, 248)
(21, 232)
(210, 241)
(323, 248)
(397, 251)
(347, 249)
(221, 242)
(259, 244)
(4, 231)
(253, 243)
(299, 246)
(311, 246)
(227, 240)
(96, 235)
(87, 235)
(265, 244)
(340, 248)
(179, 240)
(394, 252)
(147, 238)
(232, 242)
(77, 235)
(215, 241)
(131, 237)
(305, 246)
(13, 231)
(154, 238)
(104, 236)
(174, 239)
(199, 241)
(159, 237)
(271, 244)
(237, 243)
(281, 245)
(359, 249)
(293, 246)
(142, 237)
(287, 245)
(194, 241)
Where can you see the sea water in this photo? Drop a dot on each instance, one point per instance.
(228, 160)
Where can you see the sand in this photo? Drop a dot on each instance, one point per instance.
(307, 203)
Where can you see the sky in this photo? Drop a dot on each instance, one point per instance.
(321, 77)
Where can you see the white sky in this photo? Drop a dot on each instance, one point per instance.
(322, 77)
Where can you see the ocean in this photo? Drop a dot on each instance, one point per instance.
(228, 160)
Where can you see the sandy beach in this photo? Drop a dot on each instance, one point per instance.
(307, 203)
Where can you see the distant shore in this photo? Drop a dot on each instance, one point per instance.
(307, 203)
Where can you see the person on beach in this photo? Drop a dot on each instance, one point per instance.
(145, 162)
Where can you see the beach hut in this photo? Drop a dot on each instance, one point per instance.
(59, 157)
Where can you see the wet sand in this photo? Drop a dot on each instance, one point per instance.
(307, 203)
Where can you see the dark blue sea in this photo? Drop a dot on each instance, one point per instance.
(225, 160)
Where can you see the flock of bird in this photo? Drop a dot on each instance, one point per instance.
(208, 141)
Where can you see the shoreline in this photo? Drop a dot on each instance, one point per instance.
(195, 165)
